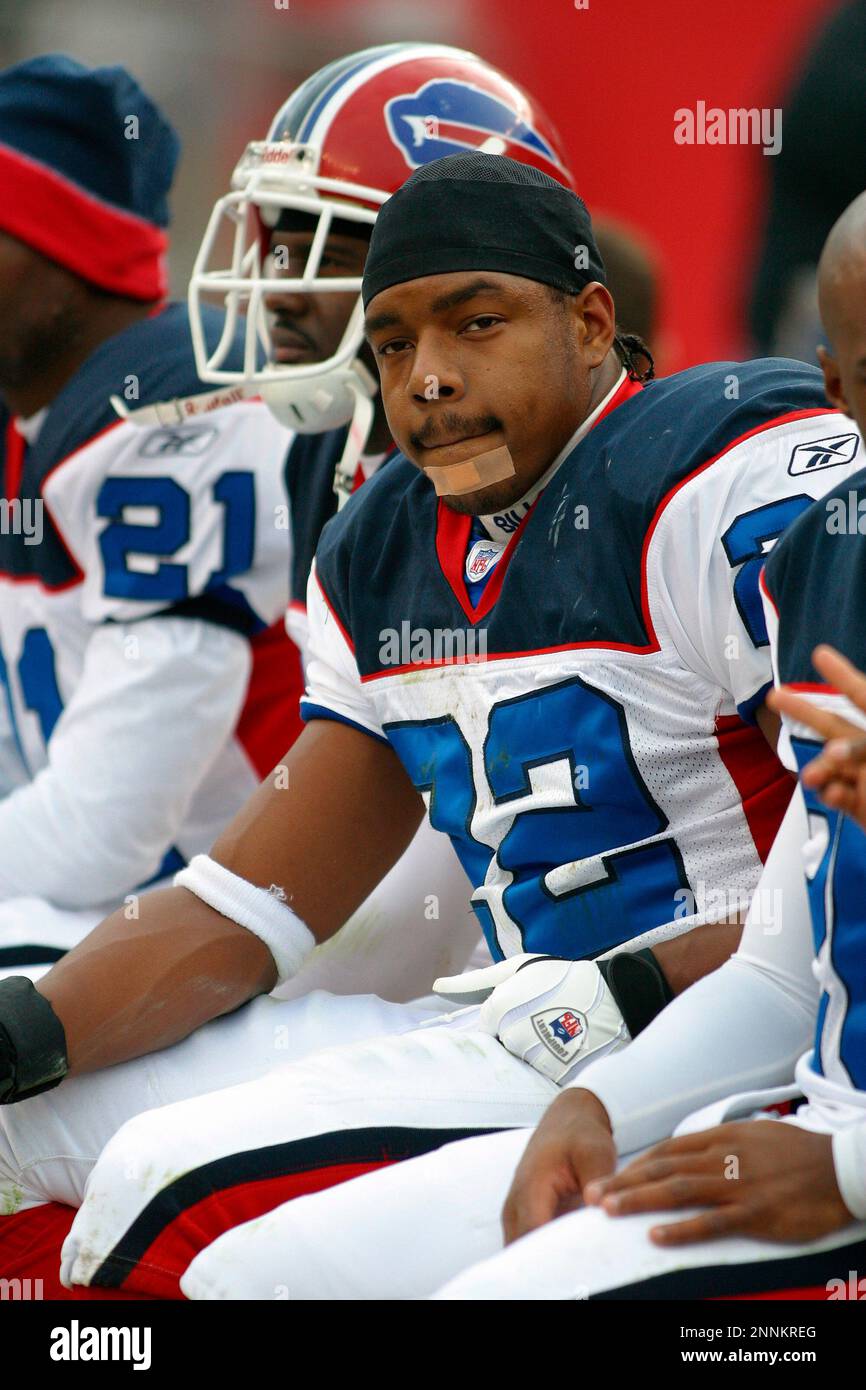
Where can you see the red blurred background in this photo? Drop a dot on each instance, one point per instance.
(611, 75)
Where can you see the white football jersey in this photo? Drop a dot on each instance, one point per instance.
(146, 683)
(583, 728)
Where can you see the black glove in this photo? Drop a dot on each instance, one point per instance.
(638, 984)
(32, 1042)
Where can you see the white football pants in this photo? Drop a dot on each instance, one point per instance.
(173, 1179)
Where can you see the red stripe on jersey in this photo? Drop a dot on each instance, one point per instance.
(335, 615)
(628, 389)
(270, 720)
(452, 542)
(79, 573)
(15, 446)
(30, 1244)
(781, 1107)
(452, 538)
(764, 785)
(762, 585)
(812, 688)
(158, 1272)
(505, 656)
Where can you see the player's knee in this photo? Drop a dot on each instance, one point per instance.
(146, 1151)
(277, 1257)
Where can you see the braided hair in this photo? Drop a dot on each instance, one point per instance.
(631, 349)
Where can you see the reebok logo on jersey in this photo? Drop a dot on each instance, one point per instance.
(181, 440)
(824, 453)
(562, 1032)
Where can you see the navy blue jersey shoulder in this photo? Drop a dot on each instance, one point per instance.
(576, 573)
(310, 465)
(153, 356)
(816, 577)
(385, 527)
(701, 412)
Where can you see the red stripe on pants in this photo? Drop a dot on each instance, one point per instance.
(30, 1243)
(157, 1274)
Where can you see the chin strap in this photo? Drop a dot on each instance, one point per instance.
(359, 433)
(179, 410)
(359, 383)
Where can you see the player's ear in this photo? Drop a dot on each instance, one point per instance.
(596, 317)
(832, 380)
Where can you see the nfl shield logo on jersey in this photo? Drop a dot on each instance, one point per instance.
(481, 559)
(561, 1031)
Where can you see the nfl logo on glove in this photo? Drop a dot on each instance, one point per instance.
(561, 1032)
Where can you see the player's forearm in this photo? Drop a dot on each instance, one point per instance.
(132, 987)
(690, 1055)
(687, 958)
(325, 829)
(323, 832)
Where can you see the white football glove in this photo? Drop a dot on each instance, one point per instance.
(553, 1014)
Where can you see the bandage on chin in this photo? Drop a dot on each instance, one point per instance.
(454, 478)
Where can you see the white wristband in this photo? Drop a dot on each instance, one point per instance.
(849, 1160)
(260, 910)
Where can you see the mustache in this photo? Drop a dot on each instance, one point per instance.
(287, 325)
(450, 426)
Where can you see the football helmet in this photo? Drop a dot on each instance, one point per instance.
(344, 141)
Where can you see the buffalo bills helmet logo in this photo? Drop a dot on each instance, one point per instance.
(447, 116)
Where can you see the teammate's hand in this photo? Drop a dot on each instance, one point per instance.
(838, 773)
(759, 1178)
(572, 1145)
